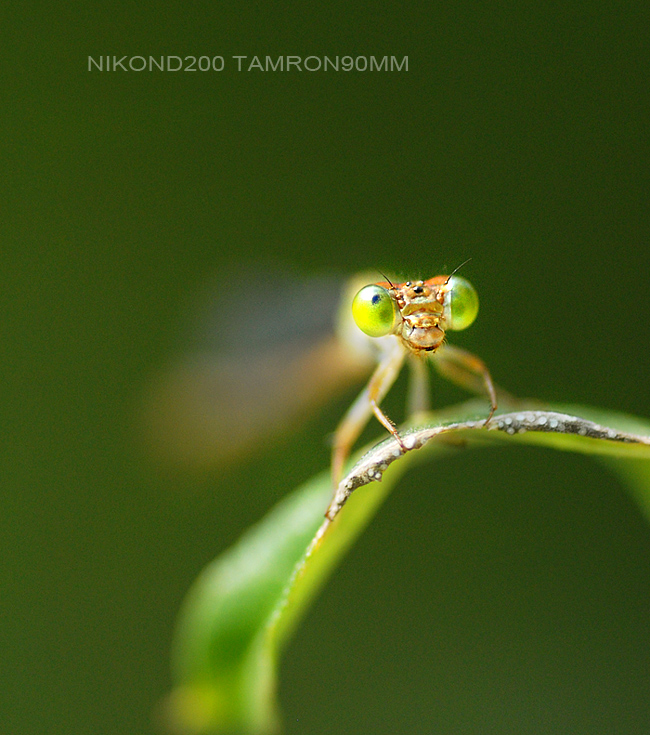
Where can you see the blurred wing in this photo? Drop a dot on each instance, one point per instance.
(254, 370)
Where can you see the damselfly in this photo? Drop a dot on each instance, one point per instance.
(409, 321)
(261, 359)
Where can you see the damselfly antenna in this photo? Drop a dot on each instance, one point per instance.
(465, 262)
(387, 278)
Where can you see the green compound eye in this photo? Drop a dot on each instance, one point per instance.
(375, 311)
(461, 303)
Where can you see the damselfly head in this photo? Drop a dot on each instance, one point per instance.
(418, 312)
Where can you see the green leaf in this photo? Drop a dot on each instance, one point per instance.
(244, 605)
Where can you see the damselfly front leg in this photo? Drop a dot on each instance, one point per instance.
(365, 405)
(467, 371)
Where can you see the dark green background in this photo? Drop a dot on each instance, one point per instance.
(512, 594)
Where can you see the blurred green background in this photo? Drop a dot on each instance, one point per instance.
(514, 594)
